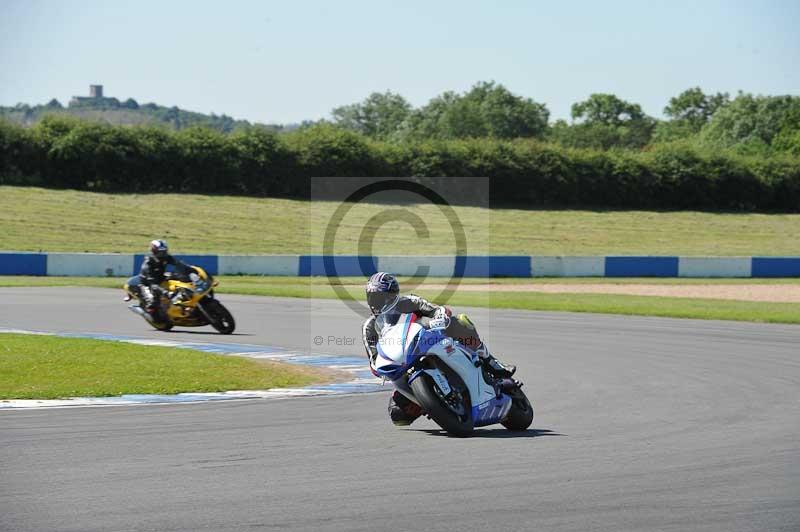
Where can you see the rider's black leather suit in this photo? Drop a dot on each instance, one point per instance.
(153, 273)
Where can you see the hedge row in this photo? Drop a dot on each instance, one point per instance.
(89, 156)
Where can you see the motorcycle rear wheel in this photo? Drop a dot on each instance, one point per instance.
(436, 407)
(161, 326)
(160, 321)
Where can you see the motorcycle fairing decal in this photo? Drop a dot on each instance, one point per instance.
(438, 378)
(429, 339)
(492, 411)
(410, 318)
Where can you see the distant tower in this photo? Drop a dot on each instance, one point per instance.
(96, 91)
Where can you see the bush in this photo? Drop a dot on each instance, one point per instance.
(17, 152)
(63, 152)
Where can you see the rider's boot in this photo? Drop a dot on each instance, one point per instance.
(150, 299)
(402, 410)
(495, 367)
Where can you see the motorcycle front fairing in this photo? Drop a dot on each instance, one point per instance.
(397, 346)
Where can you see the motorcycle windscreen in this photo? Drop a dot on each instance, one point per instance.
(386, 320)
(396, 342)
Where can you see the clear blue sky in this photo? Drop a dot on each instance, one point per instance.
(296, 59)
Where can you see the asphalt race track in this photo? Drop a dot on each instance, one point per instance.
(641, 424)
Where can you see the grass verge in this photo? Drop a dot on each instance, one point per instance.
(666, 307)
(49, 367)
(33, 219)
(672, 307)
(273, 285)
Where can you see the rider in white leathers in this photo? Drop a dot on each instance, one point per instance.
(386, 304)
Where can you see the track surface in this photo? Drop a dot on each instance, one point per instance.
(642, 424)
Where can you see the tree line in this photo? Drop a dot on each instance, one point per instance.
(128, 112)
(532, 171)
(748, 123)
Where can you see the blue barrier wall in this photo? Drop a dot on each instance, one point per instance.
(88, 264)
(23, 264)
(337, 265)
(492, 266)
(776, 267)
(208, 262)
(641, 266)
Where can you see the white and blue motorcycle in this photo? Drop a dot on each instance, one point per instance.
(446, 379)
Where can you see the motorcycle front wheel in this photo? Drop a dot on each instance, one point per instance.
(219, 317)
(520, 416)
(452, 413)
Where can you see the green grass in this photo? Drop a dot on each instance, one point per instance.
(49, 367)
(7, 281)
(673, 307)
(667, 307)
(33, 219)
(307, 286)
(245, 284)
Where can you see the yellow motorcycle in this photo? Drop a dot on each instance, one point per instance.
(183, 302)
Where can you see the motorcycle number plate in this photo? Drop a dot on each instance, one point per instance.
(441, 381)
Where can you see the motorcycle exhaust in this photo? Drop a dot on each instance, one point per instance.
(136, 309)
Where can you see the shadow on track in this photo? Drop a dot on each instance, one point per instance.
(498, 433)
(215, 333)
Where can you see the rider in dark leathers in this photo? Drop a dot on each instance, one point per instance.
(385, 303)
(153, 273)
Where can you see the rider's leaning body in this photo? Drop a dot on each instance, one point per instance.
(154, 271)
(386, 304)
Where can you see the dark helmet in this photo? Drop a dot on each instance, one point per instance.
(159, 249)
(383, 290)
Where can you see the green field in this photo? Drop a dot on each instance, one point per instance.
(240, 283)
(34, 219)
(49, 367)
(305, 286)
(673, 307)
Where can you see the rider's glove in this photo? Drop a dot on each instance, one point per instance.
(441, 318)
(439, 321)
